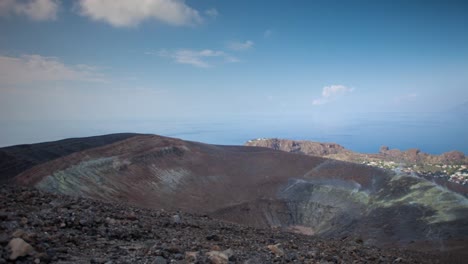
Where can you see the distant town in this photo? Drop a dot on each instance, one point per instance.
(452, 173)
(448, 167)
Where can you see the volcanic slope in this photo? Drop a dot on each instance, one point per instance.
(64, 229)
(16, 159)
(261, 187)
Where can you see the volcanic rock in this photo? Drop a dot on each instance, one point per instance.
(276, 249)
(176, 219)
(217, 257)
(4, 239)
(19, 248)
(159, 260)
(191, 256)
(151, 239)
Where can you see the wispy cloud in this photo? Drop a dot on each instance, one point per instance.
(241, 46)
(330, 93)
(405, 98)
(126, 13)
(212, 12)
(36, 68)
(199, 58)
(38, 10)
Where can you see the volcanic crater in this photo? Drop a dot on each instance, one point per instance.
(252, 186)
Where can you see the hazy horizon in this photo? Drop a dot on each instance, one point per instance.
(362, 133)
(359, 73)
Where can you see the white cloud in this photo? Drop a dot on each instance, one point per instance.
(38, 10)
(330, 93)
(36, 68)
(125, 13)
(240, 46)
(198, 58)
(212, 12)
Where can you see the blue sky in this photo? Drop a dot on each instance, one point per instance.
(206, 60)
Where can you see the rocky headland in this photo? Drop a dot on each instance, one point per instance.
(449, 169)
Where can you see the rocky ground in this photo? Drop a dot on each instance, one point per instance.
(38, 227)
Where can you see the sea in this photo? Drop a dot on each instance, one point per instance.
(433, 133)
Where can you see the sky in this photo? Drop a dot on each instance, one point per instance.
(211, 60)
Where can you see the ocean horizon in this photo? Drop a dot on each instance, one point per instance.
(432, 133)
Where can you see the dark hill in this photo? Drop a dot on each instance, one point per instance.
(16, 159)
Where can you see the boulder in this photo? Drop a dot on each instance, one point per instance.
(19, 248)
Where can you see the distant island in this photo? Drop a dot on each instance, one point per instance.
(449, 169)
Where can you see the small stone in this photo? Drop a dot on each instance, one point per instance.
(18, 233)
(173, 249)
(159, 260)
(19, 248)
(312, 254)
(213, 237)
(9, 225)
(4, 239)
(398, 260)
(4, 216)
(110, 221)
(24, 221)
(131, 216)
(191, 256)
(62, 250)
(43, 256)
(291, 256)
(229, 253)
(252, 261)
(176, 219)
(97, 261)
(217, 257)
(276, 249)
(215, 248)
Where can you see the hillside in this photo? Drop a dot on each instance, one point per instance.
(263, 188)
(16, 159)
